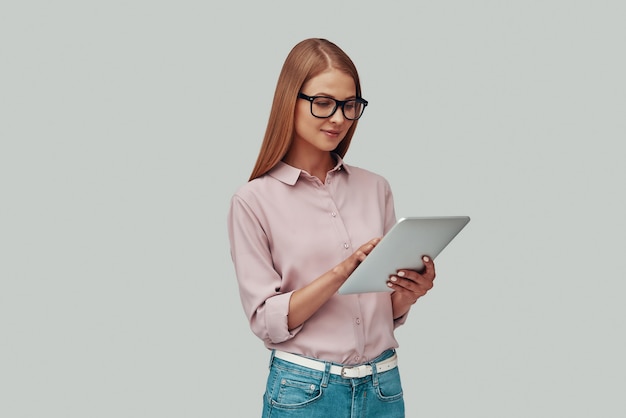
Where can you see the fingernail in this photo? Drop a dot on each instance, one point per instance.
(426, 258)
(393, 278)
(401, 273)
(389, 284)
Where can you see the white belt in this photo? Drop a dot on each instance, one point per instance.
(349, 372)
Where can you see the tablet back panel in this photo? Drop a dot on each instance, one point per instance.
(402, 248)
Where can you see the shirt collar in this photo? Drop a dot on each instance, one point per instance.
(290, 175)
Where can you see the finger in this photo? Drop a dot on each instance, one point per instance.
(429, 268)
(361, 254)
(406, 287)
(365, 249)
(369, 246)
(403, 281)
(412, 280)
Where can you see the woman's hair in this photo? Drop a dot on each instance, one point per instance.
(306, 60)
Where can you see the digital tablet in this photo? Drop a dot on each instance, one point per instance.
(402, 248)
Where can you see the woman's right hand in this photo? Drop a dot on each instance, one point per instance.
(346, 267)
(306, 301)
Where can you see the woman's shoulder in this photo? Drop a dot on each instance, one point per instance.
(364, 174)
(250, 188)
(260, 189)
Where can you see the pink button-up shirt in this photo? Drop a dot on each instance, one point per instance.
(287, 228)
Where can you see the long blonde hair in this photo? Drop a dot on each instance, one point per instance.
(306, 60)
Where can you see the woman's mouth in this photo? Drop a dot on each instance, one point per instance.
(331, 133)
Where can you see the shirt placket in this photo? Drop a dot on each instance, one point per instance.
(346, 243)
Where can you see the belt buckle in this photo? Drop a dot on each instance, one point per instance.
(343, 371)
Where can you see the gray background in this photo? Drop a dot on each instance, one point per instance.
(126, 127)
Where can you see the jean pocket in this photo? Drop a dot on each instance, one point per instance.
(389, 386)
(293, 390)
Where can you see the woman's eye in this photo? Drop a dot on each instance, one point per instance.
(323, 103)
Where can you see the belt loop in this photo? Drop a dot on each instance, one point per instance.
(326, 375)
(271, 358)
(374, 373)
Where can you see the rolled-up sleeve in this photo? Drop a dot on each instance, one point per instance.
(259, 284)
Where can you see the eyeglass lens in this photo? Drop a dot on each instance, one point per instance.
(323, 107)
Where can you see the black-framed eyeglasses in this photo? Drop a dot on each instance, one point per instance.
(325, 107)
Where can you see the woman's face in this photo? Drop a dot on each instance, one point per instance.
(323, 134)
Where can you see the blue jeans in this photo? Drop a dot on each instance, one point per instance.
(296, 391)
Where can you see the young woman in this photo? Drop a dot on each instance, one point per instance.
(298, 229)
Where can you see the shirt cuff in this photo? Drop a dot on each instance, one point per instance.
(276, 316)
(401, 320)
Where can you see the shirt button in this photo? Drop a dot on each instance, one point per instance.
(345, 245)
(357, 358)
(358, 321)
(333, 214)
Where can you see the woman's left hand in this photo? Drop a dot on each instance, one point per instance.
(410, 285)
